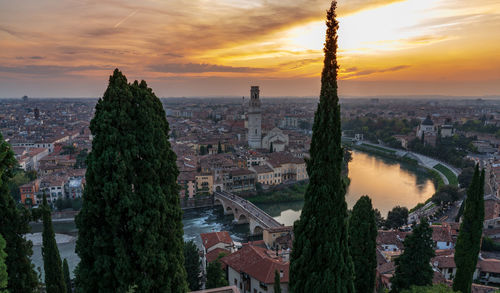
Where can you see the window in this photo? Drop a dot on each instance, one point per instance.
(235, 282)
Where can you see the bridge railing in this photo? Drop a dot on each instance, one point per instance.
(238, 200)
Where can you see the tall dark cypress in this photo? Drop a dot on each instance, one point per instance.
(277, 282)
(130, 226)
(413, 267)
(4, 277)
(13, 224)
(67, 278)
(363, 244)
(469, 236)
(52, 265)
(320, 259)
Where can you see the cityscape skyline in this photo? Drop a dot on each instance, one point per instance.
(387, 47)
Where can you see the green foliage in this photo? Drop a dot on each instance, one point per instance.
(465, 177)
(67, 278)
(436, 178)
(380, 129)
(68, 150)
(451, 150)
(130, 225)
(397, 217)
(291, 193)
(413, 266)
(446, 194)
(13, 224)
(54, 279)
(469, 237)
(452, 178)
(440, 288)
(3, 267)
(489, 245)
(19, 178)
(81, 159)
(271, 149)
(215, 275)
(277, 282)
(363, 244)
(379, 219)
(192, 264)
(320, 260)
(203, 150)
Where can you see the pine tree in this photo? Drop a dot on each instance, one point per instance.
(320, 260)
(469, 237)
(277, 282)
(363, 244)
(3, 267)
(192, 264)
(413, 266)
(13, 225)
(130, 225)
(67, 278)
(52, 265)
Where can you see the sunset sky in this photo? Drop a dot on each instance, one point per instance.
(55, 48)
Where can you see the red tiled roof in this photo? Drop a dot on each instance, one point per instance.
(256, 262)
(214, 254)
(212, 238)
(489, 265)
(441, 234)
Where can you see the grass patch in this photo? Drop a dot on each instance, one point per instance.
(452, 178)
(379, 148)
(436, 178)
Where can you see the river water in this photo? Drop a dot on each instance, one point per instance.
(387, 182)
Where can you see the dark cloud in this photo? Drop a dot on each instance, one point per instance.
(200, 68)
(48, 69)
(355, 72)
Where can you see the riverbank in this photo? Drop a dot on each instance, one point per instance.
(441, 173)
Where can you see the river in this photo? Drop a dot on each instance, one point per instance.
(387, 182)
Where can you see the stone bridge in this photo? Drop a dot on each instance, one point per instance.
(245, 212)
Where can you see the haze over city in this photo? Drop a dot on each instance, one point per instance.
(220, 48)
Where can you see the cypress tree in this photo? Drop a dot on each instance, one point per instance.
(271, 147)
(130, 225)
(54, 279)
(469, 237)
(192, 264)
(3, 267)
(67, 278)
(320, 260)
(363, 244)
(13, 225)
(277, 282)
(219, 148)
(413, 266)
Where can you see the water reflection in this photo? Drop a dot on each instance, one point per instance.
(387, 182)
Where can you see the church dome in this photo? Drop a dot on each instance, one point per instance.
(428, 121)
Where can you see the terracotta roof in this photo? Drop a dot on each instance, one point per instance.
(445, 261)
(489, 265)
(210, 239)
(386, 268)
(391, 237)
(476, 288)
(256, 262)
(441, 234)
(214, 254)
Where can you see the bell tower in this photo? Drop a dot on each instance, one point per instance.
(254, 119)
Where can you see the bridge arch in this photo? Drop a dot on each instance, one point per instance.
(257, 230)
(242, 218)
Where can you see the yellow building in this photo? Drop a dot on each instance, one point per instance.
(204, 184)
